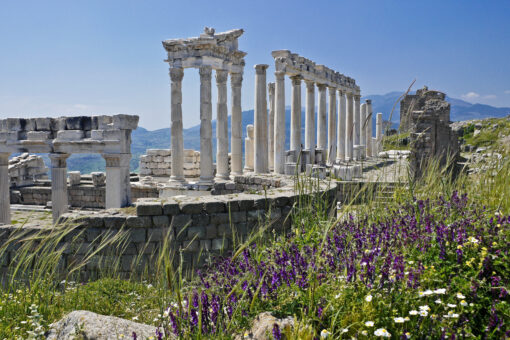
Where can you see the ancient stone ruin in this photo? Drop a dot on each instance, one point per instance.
(26, 169)
(426, 115)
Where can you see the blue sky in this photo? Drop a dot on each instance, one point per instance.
(103, 57)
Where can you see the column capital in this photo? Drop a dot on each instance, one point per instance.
(221, 76)
(205, 72)
(310, 84)
(368, 101)
(176, 74)
(357, 97)
(332, 90)
(116, 159)
(270, 87)
(296, 80)
(349, 94)
(322, 87)
(279, 74)
(236, 79)
(260, 68)
(58, 160)
(341, 92)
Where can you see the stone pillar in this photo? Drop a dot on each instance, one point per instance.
(356, 126)
(222, 171)
(295, 114)
(332, 126)
(260, 120)
(118, 186)
(310, 120)
(236, 128)
(322, 134)
(5, 198)
(59, 200)
(378, 134)
(363, 130)
(248, 149)
(279, 127)
(349, 128)
(271, 126)
(206, 163)
(340, 137)
(370, 152)
(177, 155)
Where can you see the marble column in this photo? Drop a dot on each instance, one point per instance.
(363, 130)
(370, 152)
(206, 163)
(340, 137)
(248, 149)
(260, 120)
(5, 198)
(59, 200)
(118, 186)
(295, 114)
(222, 171)
(378, 133)
(332, 126)
(279, 126)
(236, 128)
(310, 120)
(356, 140)
(271, 126)
(349, 127)
(177, 155)
(322, 134)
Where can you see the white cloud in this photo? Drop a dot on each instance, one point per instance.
(470, 95)
(490, 96)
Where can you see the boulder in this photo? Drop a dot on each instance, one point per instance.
(87, 325)
(263, 327)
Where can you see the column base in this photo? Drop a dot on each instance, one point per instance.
(225, 177)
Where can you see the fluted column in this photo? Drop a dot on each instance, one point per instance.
(279, 127)
(332, 126)
(177, 155)
(363, 130)
(222, 171)
(58, 184)
(236, 128)
(270, 130)
(356, 126)
(322, 134)
(248, 148)
(310, 120)
(295, 114)
(349, 128)
(260, 151)
(370, 152)
(379, 133)
(118, 186)
(340, 137)
(5, 200)
(206, 163)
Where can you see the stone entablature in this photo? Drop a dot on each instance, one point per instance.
(295, 65)
(61, 137)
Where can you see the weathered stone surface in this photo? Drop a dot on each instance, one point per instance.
(98, 178)
(263, 326)
(98, 327)
(149, 209)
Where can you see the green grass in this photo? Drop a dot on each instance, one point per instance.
(490, 133)
(34, 298)
(396, 142)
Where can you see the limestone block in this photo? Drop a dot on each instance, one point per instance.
(38, 135)
(102, 122)
(43, 124)
(74, 177)
(15, 124)
(149, 209)
(98, 179)
(70, 135)
(125, 122)
(97, 134)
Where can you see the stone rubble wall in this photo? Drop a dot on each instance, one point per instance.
(193, 229)
(246, 183)
(158, 162)
(26, 169)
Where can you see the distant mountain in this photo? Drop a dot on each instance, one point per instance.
(143, 139)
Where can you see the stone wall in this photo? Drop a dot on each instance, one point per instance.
(194, 229)
(428, 121)
(25, 169)
(158, 162)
